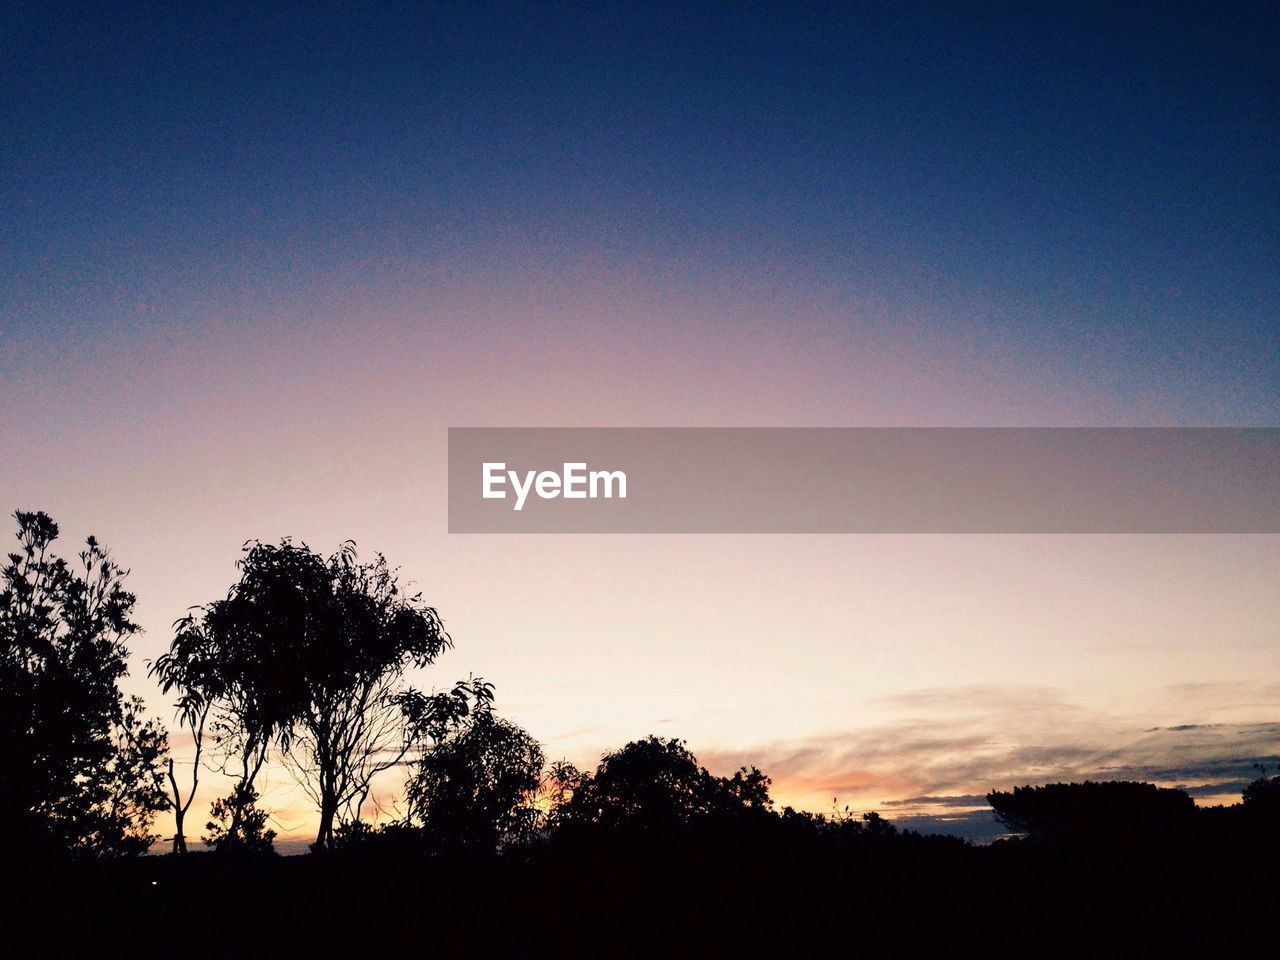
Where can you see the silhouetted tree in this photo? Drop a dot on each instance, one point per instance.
(475, 775)
(650, 781)
(657, 783)
(309, 654)
(1261, 803)
(557, 790)
(237, 825)
(1265, 791)
(80, 770)
(348, 653)
(189, 667)
(1089, 811)
(231, 662)
(747, 789)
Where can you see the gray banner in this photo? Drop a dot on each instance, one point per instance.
(864, 480)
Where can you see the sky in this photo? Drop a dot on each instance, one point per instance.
(255, 264)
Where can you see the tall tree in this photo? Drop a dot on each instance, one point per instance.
(309, 654)
(362, 635)
(230, 662)
(80, 770)
(189, 668)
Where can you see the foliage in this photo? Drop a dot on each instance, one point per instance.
(474, 781)
(224, 664)
(79, 768)
(1261, 803)
(1093, 812)
(657, 784)
(362, 634)
(308, 654)
(237, 825)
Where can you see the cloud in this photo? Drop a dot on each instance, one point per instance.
(951, 746)
(976, 826)
(1222, 788)
(985, 697)
(579, 732)
(964, 800)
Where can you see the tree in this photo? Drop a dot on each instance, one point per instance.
(236, 824)
(309, 654)
(230, 661)
(1261, 801)
(1089, 812)
(80, 770)
(476, 774)
(557, 790)
(188, 667)
(350, 656)
(657, 784)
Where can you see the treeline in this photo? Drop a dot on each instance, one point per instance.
(307, 661)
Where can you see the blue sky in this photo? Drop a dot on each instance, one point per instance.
(1094, 181)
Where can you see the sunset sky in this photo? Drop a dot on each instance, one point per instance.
(253, 267)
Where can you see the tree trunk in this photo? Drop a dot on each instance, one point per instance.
(328, 812)
(179, 809)
(179, 838)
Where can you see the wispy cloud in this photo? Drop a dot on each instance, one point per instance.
(964, 800)
(953, 745)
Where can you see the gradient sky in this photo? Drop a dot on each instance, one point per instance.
(254, 265)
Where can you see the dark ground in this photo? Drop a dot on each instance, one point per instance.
(678, 896)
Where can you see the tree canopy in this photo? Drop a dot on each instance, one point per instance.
(309, 654)
(656, 784)
(1093, 812)
(79, 766)
(475, 780)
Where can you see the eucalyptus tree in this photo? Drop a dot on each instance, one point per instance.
(309, 655)
(361, 638)
(230, 663)
(189, 668)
